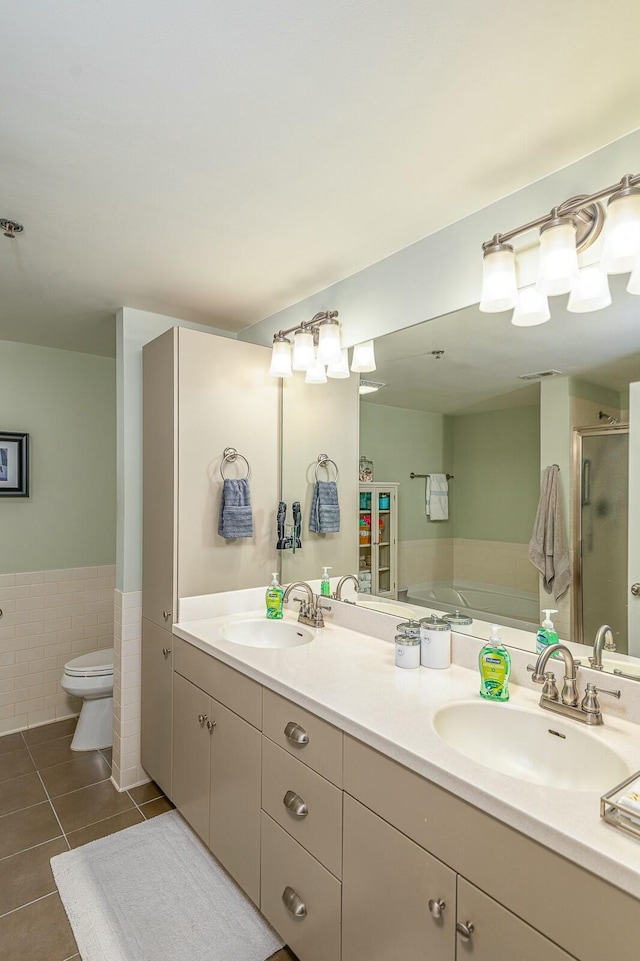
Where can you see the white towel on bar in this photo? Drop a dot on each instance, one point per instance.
(437, 497)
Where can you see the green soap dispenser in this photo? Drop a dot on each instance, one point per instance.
(547, 633)
(495, 667)
(325, 583)
(273, 599)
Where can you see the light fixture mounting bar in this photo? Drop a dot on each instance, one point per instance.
(567, 209)
(309, 324)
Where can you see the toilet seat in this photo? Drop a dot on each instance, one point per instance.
(95, 664)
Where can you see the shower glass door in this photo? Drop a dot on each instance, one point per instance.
(603, 490)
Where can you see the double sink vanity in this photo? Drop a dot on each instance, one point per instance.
(375, 813)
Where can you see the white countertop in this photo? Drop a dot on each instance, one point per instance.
(350, 679)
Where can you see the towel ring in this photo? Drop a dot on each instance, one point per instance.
(323, 461)
(229, 457)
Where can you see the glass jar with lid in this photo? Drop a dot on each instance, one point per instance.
(435, 642)
(366, 470)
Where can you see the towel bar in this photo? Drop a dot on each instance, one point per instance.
(229, 456)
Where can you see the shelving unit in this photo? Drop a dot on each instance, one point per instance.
(378, 538)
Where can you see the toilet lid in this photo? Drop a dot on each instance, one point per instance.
(95, 664)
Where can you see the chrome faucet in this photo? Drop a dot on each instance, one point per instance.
(588, 711)
(604, 642)
(337, 594)
(310, 609)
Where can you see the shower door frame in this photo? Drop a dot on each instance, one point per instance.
(576, 565)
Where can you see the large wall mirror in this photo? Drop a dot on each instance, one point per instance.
(493, 405)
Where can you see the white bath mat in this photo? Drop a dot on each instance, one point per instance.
(152, 892)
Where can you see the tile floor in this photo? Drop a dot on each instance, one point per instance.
(53, 799)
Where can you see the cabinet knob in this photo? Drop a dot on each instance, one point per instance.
(635, 590)
(295, 804)
(465, 930)
(294, 903)
(202, 718)
(211, 725)
(436, 907)
(166, 651)
(296, 734)
(166, 615)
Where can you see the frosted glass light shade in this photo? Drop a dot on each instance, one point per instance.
(303, 351)
(316, 374)
(499, 287)
(558, 267)
(340, 371)
(622, 233)
(590, 291)
(532, 308)
(329, 342)
(633, 287)
(364, 358)
(281, 358)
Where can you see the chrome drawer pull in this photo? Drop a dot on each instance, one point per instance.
(211, 725)
(465, 930)
(436, 907)
(295, 804)
(294, 903)
(296, 734)
(201, 719)
(166, 651)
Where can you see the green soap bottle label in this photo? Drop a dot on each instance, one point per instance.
(274, 603)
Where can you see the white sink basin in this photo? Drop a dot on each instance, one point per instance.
(523, 744)
(260, 632)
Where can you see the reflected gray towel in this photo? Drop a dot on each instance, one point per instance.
(325, 509)
(548, 548)
(236, 519)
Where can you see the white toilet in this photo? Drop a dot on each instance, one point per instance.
(90, 677)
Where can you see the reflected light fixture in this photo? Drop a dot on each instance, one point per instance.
(316, 374)
(565, 232)
(304, 354)
(340, 370)
(364, 358)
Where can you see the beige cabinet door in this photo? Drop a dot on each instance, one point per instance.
(234, 835)
(388, 883)
(159, 373)
(487, 931)
(191, 754)
(157, 704)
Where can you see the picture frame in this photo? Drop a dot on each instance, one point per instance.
(14, 464)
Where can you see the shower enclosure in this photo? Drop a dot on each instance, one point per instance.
(600, 492)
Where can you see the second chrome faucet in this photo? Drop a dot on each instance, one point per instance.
(568, 702)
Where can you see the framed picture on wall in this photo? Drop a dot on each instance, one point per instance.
(14, 464)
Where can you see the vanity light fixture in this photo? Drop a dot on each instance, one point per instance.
(364, 358)
(566, 231)
(317, 351)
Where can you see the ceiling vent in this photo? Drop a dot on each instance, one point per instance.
(539, 374)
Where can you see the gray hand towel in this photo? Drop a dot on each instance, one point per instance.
(325, 509)
(548, 548)
(236, 519)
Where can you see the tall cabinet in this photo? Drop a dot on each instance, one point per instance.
(201, 395)
(378, 539)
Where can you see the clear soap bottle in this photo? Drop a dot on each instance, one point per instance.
(495, 667)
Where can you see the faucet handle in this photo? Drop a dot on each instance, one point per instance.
(590, 703)
(592, 689)
(550, 691)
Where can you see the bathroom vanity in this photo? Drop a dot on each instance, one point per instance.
(316, 776)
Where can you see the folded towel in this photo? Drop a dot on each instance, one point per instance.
(325, 509)
(548, 547)
(236, 519)
(436, 503)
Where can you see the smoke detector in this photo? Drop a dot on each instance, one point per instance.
(540, 374)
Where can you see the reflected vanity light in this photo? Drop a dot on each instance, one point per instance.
(329, 347)
(316, 374)
(304, 355)
(340, 370)
(364, 358)
(570, 228)
(532, 308)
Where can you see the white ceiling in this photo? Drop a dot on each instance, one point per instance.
(217, 160)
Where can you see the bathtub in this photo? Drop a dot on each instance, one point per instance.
(512, 607)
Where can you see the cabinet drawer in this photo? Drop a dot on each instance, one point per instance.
(239, 693)
(319, 830)
(540, 886)
(497, 930)
(288, 868)
(307, 737)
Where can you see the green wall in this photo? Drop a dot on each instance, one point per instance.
(496, 464)
(66, 402)
(400, 441)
